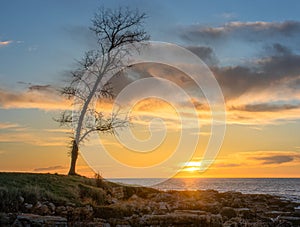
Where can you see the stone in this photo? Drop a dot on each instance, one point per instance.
(21, 199)
(52, 207)
(228, 212)
(245, 213)
(4, 219)
(28, 206)
(60, 209)
(41, 209)
(297, 210)
(236, 203)
(118, 192)
(134, 197)
(114, 200)
(38, 204)
(163, 206)
(44, 209)
(198, 212)
(163, 197)
(37, 220)
(294, 220)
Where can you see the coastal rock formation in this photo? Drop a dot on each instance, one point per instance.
(175, 208)
(78, 201)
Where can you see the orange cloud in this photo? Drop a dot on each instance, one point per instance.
(44, 98)
(258, 159)
(5, 43)
(8, 125)
(35, 137)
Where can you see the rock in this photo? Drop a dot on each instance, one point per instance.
(60, 209)
(38, 204)
(163, 206)
(228, 212)
(21, 199)
(89, 208)
(294, 220)
(4, 219)
(180, 220)
(213, 208)
(158, 212)
(71, 204)
(28, 206)
(198, 212)
(134, 197)
(37, 220)
(245, 213)
(52, 207)
(114, 200)
(44, 209)
(118, 192)
(41, 209)
(215, 220)
(237, 203)
(297, 210)
(108, 199)
(163, 197)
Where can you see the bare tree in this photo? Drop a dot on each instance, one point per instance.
(114, 30)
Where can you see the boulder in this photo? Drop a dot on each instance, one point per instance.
(52, 207)
(37, 220)
(21, 199)
(118, 192)
(228, 212)
(28, 206)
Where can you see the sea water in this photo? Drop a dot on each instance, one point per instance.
(287, 188)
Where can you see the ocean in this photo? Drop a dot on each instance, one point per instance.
(287, 188)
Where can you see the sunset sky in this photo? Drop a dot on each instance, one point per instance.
(251, 47)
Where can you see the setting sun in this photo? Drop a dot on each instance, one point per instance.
(192, 166)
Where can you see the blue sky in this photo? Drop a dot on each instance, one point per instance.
(45, 42)
(253, 48)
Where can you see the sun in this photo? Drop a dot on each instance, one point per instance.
(192, 166)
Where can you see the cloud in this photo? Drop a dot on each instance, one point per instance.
(264, 92)
(57, 130)
(34, 137)
(205, 53)
(251, 31)
(50, 168)
(277, 49)
(43, 97)
(265, 73)
(226, 165)
(5, 43)
(8, 125)
(258, 159)
(269, 84)
(271, 157)
(266, 107)
(276, 159)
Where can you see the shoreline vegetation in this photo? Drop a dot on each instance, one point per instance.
(30, 199)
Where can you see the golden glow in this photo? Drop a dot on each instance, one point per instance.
(258, 142)
(192, 166)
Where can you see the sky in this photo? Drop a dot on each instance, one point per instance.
(252, 49)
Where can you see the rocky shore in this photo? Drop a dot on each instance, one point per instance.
(174, 208)
(119, 205)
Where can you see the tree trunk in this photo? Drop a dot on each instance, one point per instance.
(74, 155)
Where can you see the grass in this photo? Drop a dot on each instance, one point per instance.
(59, 189)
